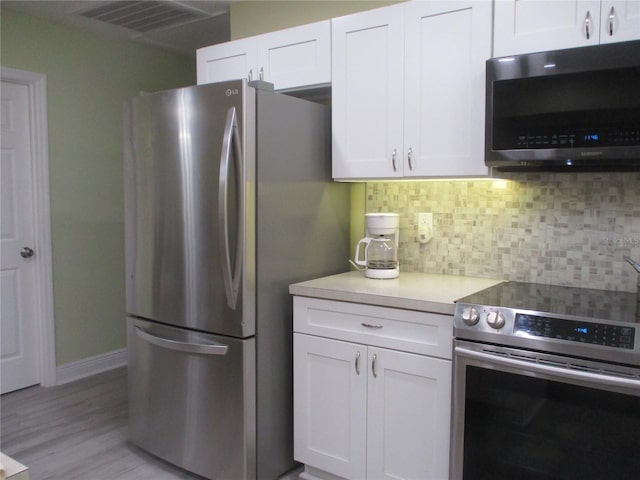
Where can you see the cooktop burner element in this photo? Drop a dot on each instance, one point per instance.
(589, 323)
(580, 302)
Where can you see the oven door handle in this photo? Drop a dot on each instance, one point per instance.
(582, 376)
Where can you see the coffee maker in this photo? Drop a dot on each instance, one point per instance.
(380, 246)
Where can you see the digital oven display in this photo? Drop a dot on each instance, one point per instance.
(575, 331)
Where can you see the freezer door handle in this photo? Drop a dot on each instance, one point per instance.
(172, 344)
(231, 138)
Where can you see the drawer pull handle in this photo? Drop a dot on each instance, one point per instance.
(358, 363)
(374, 361)
(171, 344)
(371, 325)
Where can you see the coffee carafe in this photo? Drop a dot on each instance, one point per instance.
(379, 246)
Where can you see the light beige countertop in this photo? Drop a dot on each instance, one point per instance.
(426, 292)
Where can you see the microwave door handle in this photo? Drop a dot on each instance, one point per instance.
(576, 375)
(173, 344)
(231, 277)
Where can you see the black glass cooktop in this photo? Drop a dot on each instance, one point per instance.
(551, 299)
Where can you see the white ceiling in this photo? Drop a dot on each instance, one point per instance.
(188, 25)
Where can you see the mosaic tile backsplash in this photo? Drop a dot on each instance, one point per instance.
(557, 229)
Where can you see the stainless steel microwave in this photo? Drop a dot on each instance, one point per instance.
(576, 109)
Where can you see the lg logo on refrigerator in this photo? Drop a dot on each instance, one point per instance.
(231, 91)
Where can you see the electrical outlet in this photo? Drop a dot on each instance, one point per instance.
(425, 227)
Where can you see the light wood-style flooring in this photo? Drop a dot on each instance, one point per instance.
(77, 431)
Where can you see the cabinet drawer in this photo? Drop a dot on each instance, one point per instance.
(406, 330)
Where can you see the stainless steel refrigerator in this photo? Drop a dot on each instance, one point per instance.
(228, 200)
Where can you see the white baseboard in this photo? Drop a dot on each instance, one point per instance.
(90, 366)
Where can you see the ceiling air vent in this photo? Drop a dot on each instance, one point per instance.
(143, 16)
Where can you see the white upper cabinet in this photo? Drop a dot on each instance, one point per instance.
(408, 90)
(619, 21)
(290, 59)
(524, 26)
(446, 46)
(227, 61)
(296, 57)
(367, 92)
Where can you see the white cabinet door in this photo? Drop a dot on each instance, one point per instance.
(408, 90)
(408, 415)
(227, 61)
(363, 411)
(620, 21)
(293, 58)
(523, 26)
(296, 56)
(367, 93)
(446, 46)
(330, 388)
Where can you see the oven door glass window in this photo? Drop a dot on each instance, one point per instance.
(522, 427)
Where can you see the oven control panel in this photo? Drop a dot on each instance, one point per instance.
(595, 324)
(472, 320)
(575, 331)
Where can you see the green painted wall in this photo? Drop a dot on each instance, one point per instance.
(89, 76)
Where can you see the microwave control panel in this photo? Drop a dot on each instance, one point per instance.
(604, 137)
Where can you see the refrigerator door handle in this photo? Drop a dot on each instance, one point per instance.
(171, 344)
(231, 278)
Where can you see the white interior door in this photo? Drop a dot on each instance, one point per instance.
(19, 351)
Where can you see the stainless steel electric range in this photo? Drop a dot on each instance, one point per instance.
(546, 384)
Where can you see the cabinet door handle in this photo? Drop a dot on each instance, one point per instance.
(374, 369)
(250, 74)
(587, 25)
(371, 325)
(261, 73)
(409, 158)
(357, 363)
(612, 19)
(393, 159)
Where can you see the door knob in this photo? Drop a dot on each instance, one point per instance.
(26, 252)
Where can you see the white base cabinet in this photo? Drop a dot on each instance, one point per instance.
(330, 399)
(363, 411)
